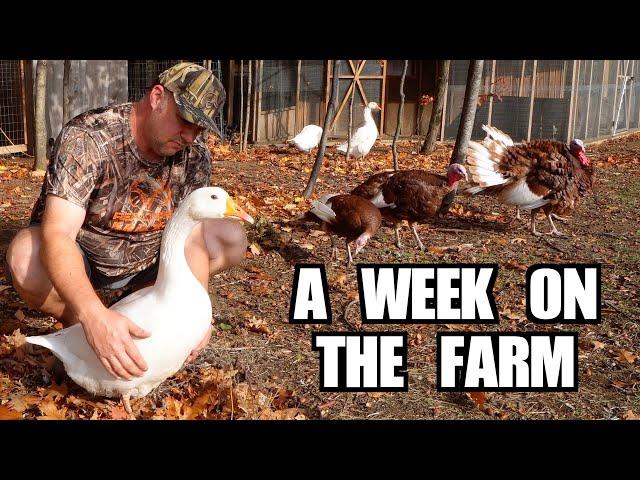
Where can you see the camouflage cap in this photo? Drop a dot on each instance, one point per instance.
(197, 92)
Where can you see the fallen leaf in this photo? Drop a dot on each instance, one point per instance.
(327, 405)
(20, 403)
(479, 398)
(255, 249)
(174, 408)
(258, 326)
(50, 411)
(16, 339)
(38, 173)
(515, 265)
(118, 412)
(8, 414)
(340, 279)
(20, 315)
(283, 396)
(308, 246)
(625, 356)
(56, 391)
(629, 415)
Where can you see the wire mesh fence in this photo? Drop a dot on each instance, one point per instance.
(12, 120)
(553, 99)
(528, 99)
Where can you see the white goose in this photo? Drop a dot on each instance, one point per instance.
(365, 135)
(176, 310)
(308, 138)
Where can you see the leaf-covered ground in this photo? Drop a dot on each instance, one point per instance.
(257, 365)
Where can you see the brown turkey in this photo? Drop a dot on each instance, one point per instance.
(537, 175)
(348, 216)
(412, 195)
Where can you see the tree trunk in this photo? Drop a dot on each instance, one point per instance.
(66, 93)
(353, 94)
(467, 117)
(241, 103)
(248, 110)
(395, 137)
(41, 160)
(435, 123)
(331, 109)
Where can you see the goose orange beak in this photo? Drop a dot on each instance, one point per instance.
(234, 211)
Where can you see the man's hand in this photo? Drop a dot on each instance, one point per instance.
(201, 346)
(110, 336)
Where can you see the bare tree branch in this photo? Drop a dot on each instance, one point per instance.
(241, 102)
(248, 110)
(435, 123)
(40, 120)
(353, 93)
(66, 93)
(468, 115)
(333, 100)
(400, 110)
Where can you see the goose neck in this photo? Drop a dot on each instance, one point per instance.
(368, 118)
(173, 263)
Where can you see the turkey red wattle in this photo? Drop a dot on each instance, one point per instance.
(577, 150)
(455, 173)
(583, 158)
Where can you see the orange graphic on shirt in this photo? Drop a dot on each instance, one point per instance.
(145, 210)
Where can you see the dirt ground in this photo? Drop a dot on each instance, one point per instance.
(258, 365)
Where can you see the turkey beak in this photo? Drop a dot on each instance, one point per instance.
(234, 211)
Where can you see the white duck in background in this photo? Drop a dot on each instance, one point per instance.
(307, 139)
(365, 135)
(176, 310)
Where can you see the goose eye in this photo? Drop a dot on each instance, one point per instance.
(214, 197)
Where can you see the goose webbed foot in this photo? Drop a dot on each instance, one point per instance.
(127, 406)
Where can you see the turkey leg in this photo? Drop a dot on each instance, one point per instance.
(554, 230)
(350, 259)
(397, 229)
(533, 224)
(415, 233)
(334, 248)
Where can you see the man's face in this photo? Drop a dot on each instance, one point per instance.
(166, 131)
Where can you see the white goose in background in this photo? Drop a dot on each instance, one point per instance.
(365, 135)
(176, 310)
(307, 139)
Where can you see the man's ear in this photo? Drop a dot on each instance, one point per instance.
(156, 95)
